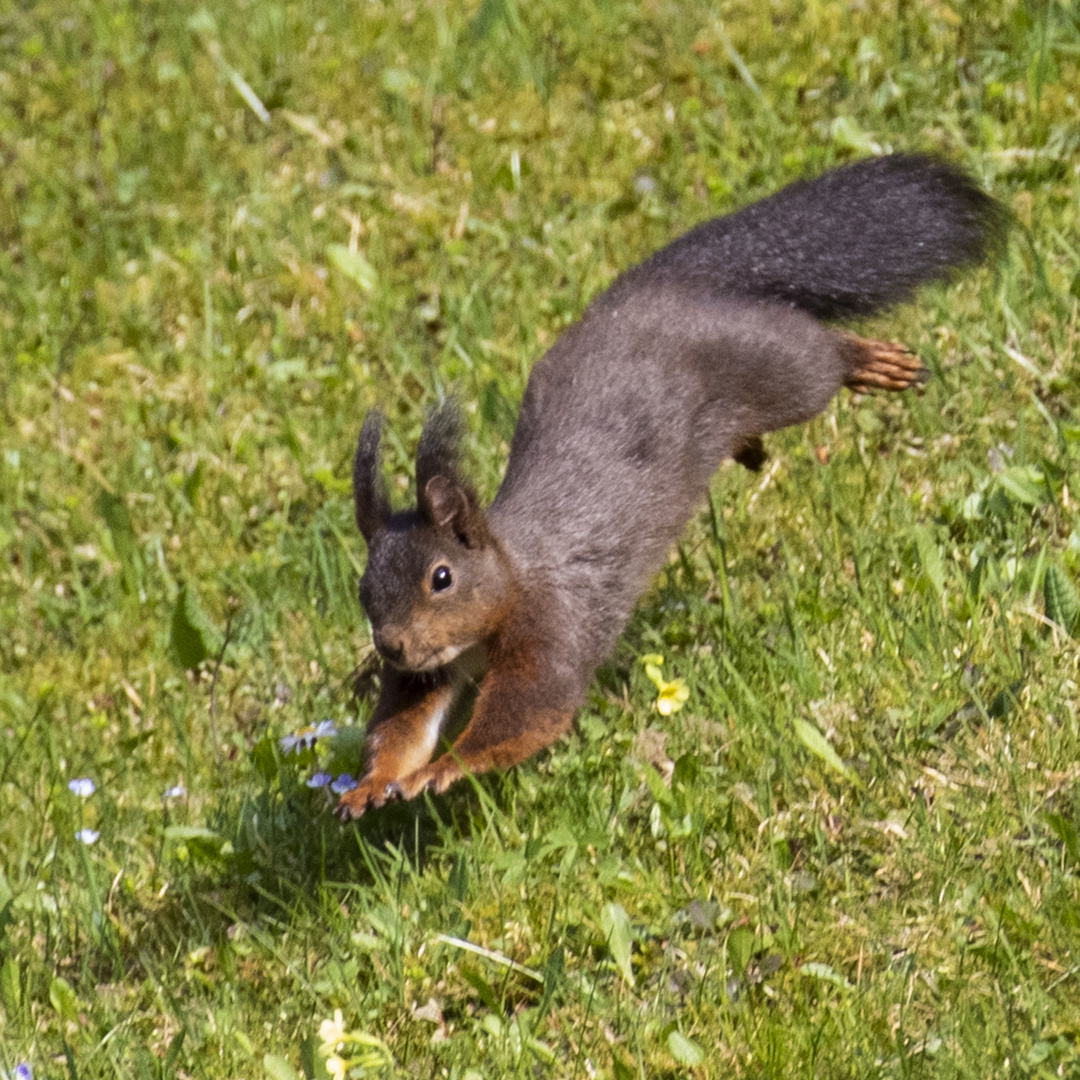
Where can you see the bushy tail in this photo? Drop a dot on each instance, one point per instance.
(851, 242)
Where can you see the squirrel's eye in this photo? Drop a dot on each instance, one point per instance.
(441, 579)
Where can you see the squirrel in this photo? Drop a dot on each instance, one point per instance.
(687, 359)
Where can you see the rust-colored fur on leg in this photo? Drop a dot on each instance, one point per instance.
(465, 760)
(521, 709)
(881, 365)
(402, 736)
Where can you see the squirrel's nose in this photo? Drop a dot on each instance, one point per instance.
(392, 649)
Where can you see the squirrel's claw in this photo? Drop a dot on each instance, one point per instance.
(346, 812)
(436, 778)
(369, 794)
(883, 365)
(374, 792)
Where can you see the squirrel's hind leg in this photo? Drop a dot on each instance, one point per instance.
(401, 736)
(881, 365)
(874, 365)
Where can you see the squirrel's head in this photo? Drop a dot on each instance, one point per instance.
(437, 581)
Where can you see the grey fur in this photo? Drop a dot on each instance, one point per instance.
(613, 449)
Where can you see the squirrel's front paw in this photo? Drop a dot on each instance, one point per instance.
(371, 793)
(375, 791)
(436, 777)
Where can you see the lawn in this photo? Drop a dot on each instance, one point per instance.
(226, 232)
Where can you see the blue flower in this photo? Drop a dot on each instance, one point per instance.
(83, 787)
(343, 783)
(306, 737)
(22, 1072)
(325, 729)
(87, 836)
(176, 792)
(319, 779)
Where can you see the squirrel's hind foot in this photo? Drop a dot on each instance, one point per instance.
(750, 452)
(881, 365)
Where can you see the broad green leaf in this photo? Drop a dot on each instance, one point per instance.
(400, 83)
(1067, 833)
(617, 930)
(114, 510)
(63, 1000)
(189, 832)
(825, 973)
(191, 634)
(295, 367)
(175, 1046)
(814, 741)
(554, 972)
(1024, 483)
(278, 1068)
(328, 479)
(847, 133)
(930, 560)
(202, 22)
(740, 947)
(685, 1051)
(483, 988)
(1062, 601)
(10, 989)
(353, 265)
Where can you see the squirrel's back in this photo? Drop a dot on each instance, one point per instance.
(712, 341)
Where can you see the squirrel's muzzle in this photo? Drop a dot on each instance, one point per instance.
(391, 649)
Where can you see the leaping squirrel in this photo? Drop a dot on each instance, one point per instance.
(687, 359)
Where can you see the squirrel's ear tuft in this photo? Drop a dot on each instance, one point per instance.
(449, 504)
(369, 490)
(438, 451)
(442, 496)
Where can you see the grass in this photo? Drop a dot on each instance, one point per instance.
(227, 231)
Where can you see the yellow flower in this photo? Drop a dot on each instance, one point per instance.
(332, 1033)
(671, 695)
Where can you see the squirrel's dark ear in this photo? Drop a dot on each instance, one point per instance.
(369, 490)
(448, 504)
(442, 496)
(437, 452)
